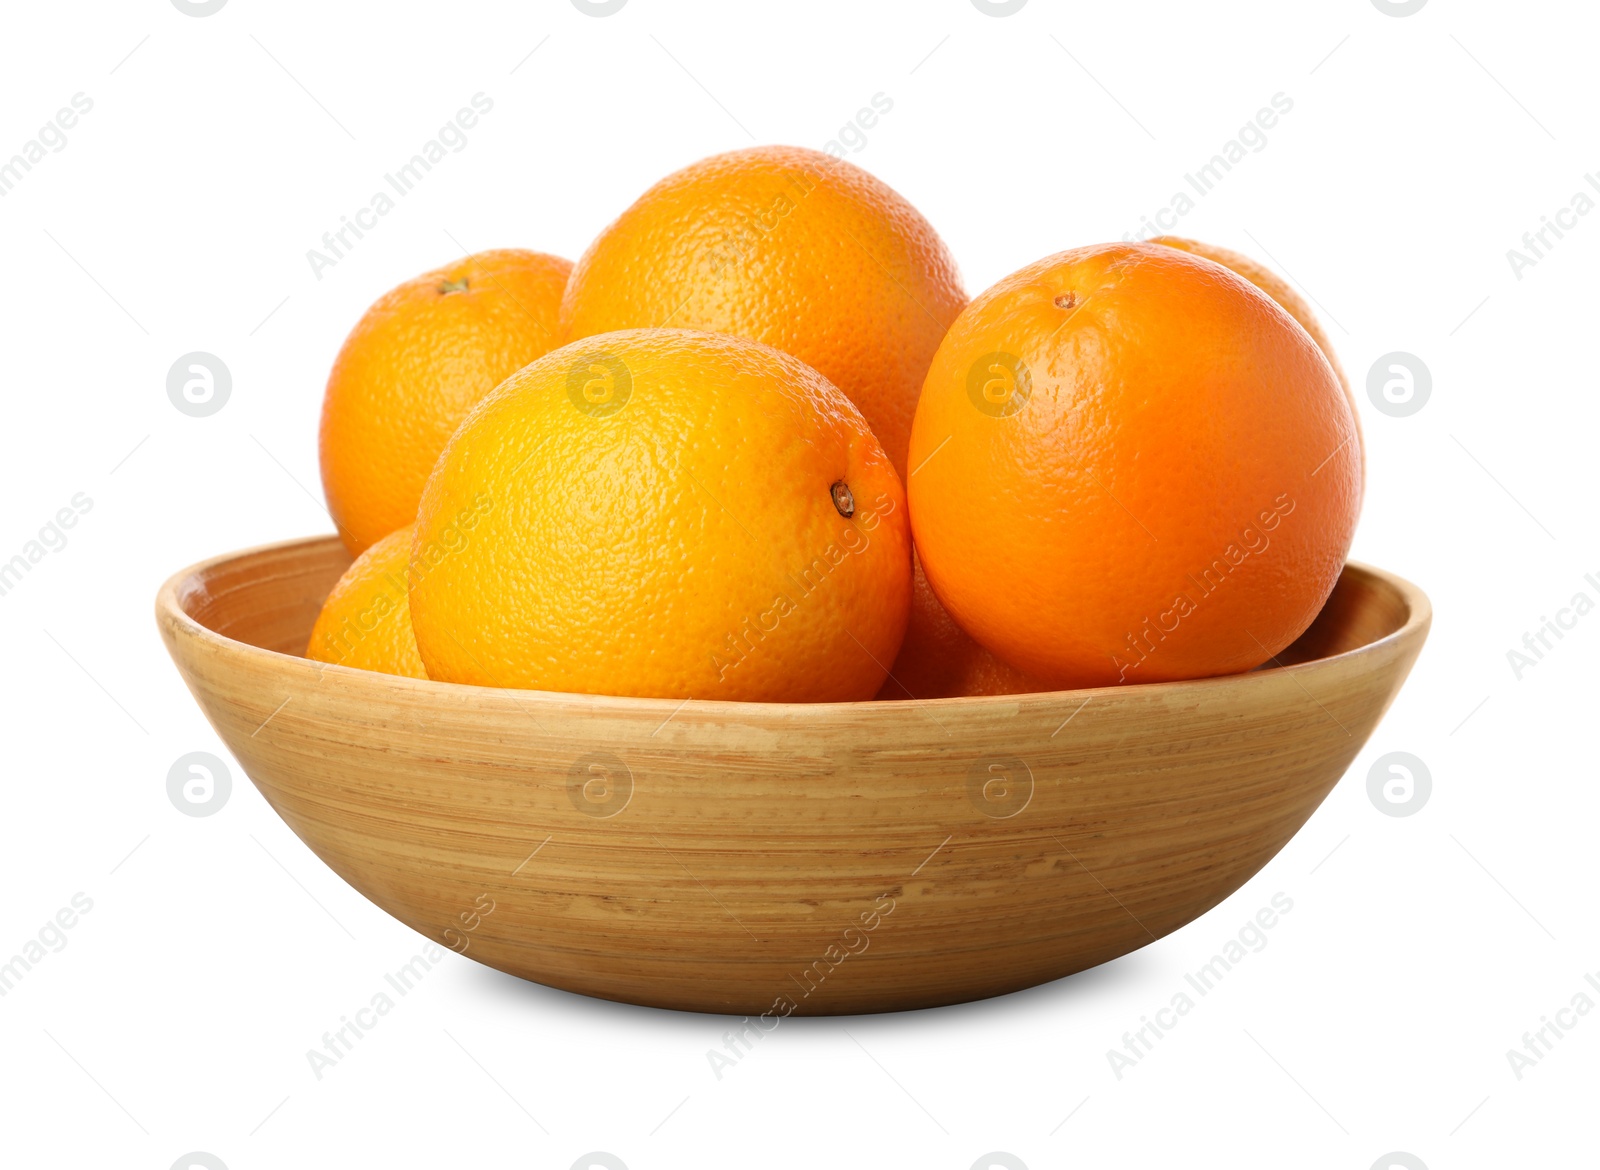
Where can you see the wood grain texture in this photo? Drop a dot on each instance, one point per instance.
(776, 858)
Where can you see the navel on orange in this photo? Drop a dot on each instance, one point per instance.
(664, 512)
(413, 366)
(1132, 465)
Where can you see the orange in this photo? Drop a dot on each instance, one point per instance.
(1279, 290)
(1132, 465)
(664, 512)
(414, 365)
(938, 660)
(789, 247)
(366, 620)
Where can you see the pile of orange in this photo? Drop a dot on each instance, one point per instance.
(757, 444)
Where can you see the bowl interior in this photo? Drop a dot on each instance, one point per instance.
(266, 598)
(270, 597)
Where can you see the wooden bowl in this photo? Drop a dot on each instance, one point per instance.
(768, 859)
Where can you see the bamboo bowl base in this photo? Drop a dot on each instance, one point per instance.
(781, 858)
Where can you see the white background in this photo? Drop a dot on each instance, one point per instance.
(177, 218)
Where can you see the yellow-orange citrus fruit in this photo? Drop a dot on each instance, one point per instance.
(366, 620)
(664, 512)
(413, 366)
(1133, 465)
(938, 660)
(1292, 302)
(792, 248)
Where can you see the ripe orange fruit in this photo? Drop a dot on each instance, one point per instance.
(1292, 302)
(413, 366)
(366, 620)
(664, 512)
(1133, 465)
(938, 660)
(1268, 282)
(789, 247)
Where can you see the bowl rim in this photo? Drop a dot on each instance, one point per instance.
(170, 613)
